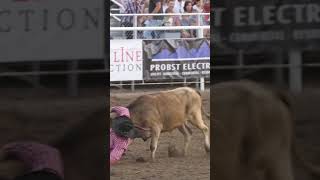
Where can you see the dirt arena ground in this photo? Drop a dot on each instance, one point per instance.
(307, 126)
(196, 165)
(26, 114)
(64, 112)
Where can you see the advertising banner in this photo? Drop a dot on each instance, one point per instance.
(126, 63)
(176, 58)
(261, 25)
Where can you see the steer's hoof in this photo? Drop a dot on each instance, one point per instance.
(174, 152)
(153, 160)
(207, 148)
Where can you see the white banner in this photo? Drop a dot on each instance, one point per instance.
(35, 30)
(126, 60)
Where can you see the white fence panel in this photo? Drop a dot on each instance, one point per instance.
(51, 30)
(126, 62)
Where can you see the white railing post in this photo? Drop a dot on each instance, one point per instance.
(200, 35)
(36, 78)
(295, 71)
(135, 24)
(120, 84)
(200, 27)
(202, 85)
(132, 86)
(200, 31)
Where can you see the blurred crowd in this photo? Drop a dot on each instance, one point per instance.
(166, 6)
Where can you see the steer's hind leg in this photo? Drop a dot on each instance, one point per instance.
(196, 120)
(154, 142)
(187, 137)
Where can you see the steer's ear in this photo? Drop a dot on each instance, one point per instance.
(113, 115)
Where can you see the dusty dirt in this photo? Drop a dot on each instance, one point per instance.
(307, 129)
(39, 117)
(56, 114)
(196, 165)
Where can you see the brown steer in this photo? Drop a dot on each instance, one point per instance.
(167, 110)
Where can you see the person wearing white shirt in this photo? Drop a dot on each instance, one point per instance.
(178, 7)
(198, 7)
(164, 5)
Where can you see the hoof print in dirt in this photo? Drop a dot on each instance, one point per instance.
(140, 159)
(174, 152)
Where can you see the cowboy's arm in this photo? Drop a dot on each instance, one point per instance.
(117, 152)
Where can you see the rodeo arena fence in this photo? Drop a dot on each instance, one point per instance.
(42, 41)
(152, 49)
(282, 39)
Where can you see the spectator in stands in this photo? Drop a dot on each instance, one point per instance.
(198, 6)
(188, 20)
(206, 19)
(131, 7)
(178, 6)
(206, 9)
(142, 20)
(164, 5)
(155, 7)
(171, 20)
(146, 7)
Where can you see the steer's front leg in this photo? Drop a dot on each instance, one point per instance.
(154, 142)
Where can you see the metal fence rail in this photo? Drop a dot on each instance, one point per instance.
(199, 27)
(264, 66)
(134, 29)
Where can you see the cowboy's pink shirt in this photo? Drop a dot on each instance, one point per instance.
(121, 111)
(118, 145)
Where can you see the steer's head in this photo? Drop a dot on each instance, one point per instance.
(143, 133)
(136, 131)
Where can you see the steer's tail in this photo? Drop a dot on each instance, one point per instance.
(203, 111)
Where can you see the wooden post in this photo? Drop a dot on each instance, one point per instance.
(278, 72)
(202, 85)
(36, 78)
(239, 63)
(73, 89)
(295, 71)
(132, 86)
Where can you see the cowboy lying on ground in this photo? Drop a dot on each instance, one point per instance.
(30, 161)
(122, 133)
